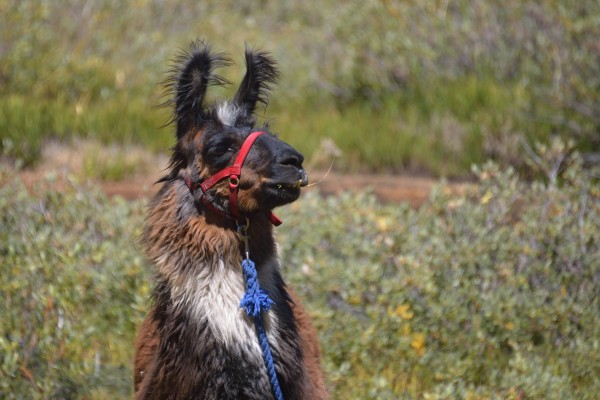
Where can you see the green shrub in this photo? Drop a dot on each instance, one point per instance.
(490, 294)
(486, 295)
(74, 288)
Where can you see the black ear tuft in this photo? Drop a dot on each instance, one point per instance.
(261, 74)
(191, 75)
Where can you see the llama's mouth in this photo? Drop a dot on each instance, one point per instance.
(282, 191)
(285, 187)
(291, 185)
(288, 186)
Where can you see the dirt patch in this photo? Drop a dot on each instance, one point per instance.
(139, 183)
(388, 188)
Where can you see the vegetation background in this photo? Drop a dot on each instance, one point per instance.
(418, 86)
(492, 293)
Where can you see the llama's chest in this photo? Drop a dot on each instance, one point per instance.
(204, 331)
(211, 299)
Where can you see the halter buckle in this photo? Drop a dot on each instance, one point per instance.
(234, 181)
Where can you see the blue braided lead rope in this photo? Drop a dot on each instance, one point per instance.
(255, 302)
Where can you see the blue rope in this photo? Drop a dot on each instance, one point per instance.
(255, 301)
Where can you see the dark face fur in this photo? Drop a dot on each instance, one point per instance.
(209, 138)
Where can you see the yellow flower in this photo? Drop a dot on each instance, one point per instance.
(418, 343)
(144, 289)
(383, 223)
(403, 311)
(354, 300)
(486, 197)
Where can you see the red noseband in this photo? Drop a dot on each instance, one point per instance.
(233, 173)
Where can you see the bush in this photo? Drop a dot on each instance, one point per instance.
(491, 294)
(74, 288)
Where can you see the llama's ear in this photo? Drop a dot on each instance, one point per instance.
(261, 74)
(191, 75)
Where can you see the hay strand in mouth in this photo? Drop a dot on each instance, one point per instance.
(324, 176)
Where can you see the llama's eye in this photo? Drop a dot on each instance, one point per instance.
(229, 149)
(221, 150)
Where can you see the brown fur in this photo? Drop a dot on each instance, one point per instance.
(310, 349)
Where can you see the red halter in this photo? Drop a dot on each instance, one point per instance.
(233, 173)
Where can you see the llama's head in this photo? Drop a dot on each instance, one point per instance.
(210, 137)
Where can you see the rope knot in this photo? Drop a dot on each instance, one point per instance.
(256, 300)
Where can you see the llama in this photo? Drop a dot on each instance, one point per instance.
(212, 209)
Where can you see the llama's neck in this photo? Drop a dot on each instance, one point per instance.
(201, 262)
(177, 236)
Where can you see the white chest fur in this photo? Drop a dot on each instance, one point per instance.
(212, 295)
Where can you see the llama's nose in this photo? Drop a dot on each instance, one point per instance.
(292, 158)
(303, 178)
